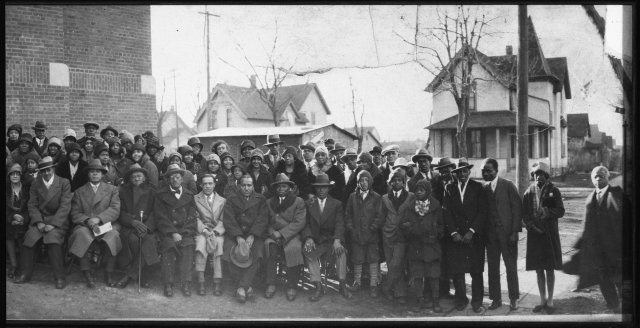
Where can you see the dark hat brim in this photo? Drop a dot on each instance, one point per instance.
(469, 166)
(115, 132)
(290, 183)
(168, 173)
(91, 124)
(134, 170)
(415, 158)
(93, 167)
(48, 166)
(445, 166)
(274, 143)
(302, 147)
(236, 262)
(328, 184)
(337, 150)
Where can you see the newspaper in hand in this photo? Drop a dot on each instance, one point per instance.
(101, 230)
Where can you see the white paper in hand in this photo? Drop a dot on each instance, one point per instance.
(101, 230)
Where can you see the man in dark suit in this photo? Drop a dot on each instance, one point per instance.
(71, 168)
(40, 140)
(423, 160)
(271, 159)
(504, 223)
(49, 205)
(465, 215)
(390, 153)
(324, 236)
(176, 218)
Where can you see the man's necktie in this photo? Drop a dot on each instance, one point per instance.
(176, 191)
(599, 196)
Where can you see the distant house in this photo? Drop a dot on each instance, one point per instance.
(492, 123)
(578, 131)
(234, 106)
(371, 137)
(167, 128)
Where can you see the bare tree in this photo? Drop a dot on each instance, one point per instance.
(359, 132)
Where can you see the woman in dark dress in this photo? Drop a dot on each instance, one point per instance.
(325, 166)
(542, 207)
(17, 214)
(262, 178)
(295, 170)
(213, 168)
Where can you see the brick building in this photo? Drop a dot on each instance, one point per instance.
(67, 65)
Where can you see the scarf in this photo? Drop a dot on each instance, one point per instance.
(286, 203)
(315, 169)
(422, 207)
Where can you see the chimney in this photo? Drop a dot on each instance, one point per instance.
(252, 79)
(509, 50)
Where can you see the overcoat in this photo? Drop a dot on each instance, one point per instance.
(335, 175)
(231, 187)
(175, 215)
(379, 185)
(459, 217)
(604, 236)
(424, 235)
(79, 179)
(391, 226)
(420, 176)
(362, 215)
(104, 205)
(49, 207)
(289, 223)
(269, 163)
(133, 200)
(188, 182)
(19, 157)
(265, 178)
(161, 165)
(385, 168)
(244, 217)
(299, 176)
(508, 205)
(543, 251)
(210, 217)
(147, 164)
(38, 149)
(14, 207)
(325, 226)
(121, 164)
(112, 177)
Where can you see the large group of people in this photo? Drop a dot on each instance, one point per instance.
(315, 206)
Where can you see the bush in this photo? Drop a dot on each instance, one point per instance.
(580, 161)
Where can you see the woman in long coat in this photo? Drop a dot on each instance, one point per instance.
(64, 168)
(541, 208)
(325, 166)
(423, 229)
(17, 214)
(262, 178)
(296, 171)
(139, 156)
(245, 219)
(137, 198)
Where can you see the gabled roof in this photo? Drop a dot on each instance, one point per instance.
(596, 135)
(485, 119)
(578, 126)
(170, 115)
(367, 129)
(560, 69)
(253, 107)
(281, 130)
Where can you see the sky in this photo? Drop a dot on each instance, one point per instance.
(363, 43)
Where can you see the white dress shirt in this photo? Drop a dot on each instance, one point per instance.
(178, 194)
(95, 187)
(321, 203)
(48, 183)
(494, 183)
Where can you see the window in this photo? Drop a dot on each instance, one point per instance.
(512, 100)
(229, 111)
(291, 118)
(543, 139)
(562, 141)
(213, 119)
(473, 97)
(475, 150)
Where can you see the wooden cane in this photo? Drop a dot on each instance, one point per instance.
(140, 255)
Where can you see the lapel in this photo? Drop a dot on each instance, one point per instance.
(53, 190)
(136, 195)
(454, 194)
(329, 204)
(389, 203)
(202, 200)
(239, 201)
(314, 210)
(102, 191)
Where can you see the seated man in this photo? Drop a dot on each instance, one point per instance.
(49, 205)
(176, 217)
(287, 217)
(93, 205)
(210, 239)
(324, 235)
(137, 199)
(245, 220)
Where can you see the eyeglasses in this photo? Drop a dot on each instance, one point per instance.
(175, 177)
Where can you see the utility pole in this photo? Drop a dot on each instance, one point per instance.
(206, 24)
(175, 104)
(522, 115)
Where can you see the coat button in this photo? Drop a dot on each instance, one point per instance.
(175, 222)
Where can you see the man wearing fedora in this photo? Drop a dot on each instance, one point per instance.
(324, 236)
(40, 140)
(338, 152)
(94, 204)
(349, 159)
(376, 154)
(108, 133)
(287, 217)
(390, 153)
(176, 218)
(504, 222)
(272, 158)
(210, 237)
(137, 198)
(308, 152)
(465, 213)
(423, 159)
(49, 206)
(246, 147)
(245, 219)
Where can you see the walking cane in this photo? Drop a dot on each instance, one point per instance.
(140, 255)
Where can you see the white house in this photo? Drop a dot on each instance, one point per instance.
(492, 122)
(234, 106)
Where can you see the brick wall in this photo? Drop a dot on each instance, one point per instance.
(106, 48)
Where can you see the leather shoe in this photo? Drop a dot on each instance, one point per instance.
(477, 309)
(91, 283)
(108, 279)
(436, 306)
(291, 294)
(345, 292)
(12, 272)
(201, 289)
(316, 294)
(186, 289)
(373, 291)
(21, 279)
(168, 290)
(495, 304)
(355, 287)
(250, 292)
(60, 283)
(217, 289)
(513, 305)
(271, 290)
(124, 282)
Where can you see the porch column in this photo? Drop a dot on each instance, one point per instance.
(536, 143)
(497, 143)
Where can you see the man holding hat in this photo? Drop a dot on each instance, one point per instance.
(324, 236)
(272, 158)
(390, 153)
(176, 217)
(137, 218)
(49, 205)
(465, 215)
(72, 166)
(246, 148)
(210, 237)
(90, 129)
(287, 217)
(308, 151)
(40, 140)
(423, 159)
(95, 204)
(376, 154)
(246, 217)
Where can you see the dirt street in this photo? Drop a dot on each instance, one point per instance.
(40, 300)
